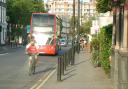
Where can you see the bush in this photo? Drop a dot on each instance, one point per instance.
(95, 45)
(105, 37)
(101, 47)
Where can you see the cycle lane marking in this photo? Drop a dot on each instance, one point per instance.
(46, 79)
(43, 80)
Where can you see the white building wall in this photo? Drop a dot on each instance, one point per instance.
(105, 19)
(3, 22)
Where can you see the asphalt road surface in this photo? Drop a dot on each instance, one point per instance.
(14, 69)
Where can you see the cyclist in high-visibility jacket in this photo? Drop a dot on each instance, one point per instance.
(32, 49)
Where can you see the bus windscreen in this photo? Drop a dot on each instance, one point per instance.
(42, 20)
(43, 28)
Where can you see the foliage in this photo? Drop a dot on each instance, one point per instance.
(95, 43)
(39, 6)
(85, 28)
(73, 21)
(73, 24)
(102, 43)
(105, 38)
(19, 11)
(103, 6)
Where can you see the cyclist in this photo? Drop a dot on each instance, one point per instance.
(32, 50)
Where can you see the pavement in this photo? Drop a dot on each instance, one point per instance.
(8, 48)
(82, 75)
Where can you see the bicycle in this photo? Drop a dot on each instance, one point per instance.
(32, 64)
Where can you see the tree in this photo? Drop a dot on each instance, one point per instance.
(72, 20)
(39, 6)
(19, 11)
(85, 28)
(103, 6)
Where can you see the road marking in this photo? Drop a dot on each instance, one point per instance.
(33, 87)
(46, 79)
(3, 54)
(41, 82)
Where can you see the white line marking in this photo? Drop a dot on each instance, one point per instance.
(33, 87)
(43, 82)
(3, 54)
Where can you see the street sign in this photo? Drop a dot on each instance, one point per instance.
(28, 28)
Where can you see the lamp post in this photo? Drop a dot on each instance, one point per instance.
(0, 34)
(73, 28)
(78, 27)
(74, 15)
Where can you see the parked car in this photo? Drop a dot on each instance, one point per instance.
(63, 42)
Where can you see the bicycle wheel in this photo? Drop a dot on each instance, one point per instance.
(32, 66)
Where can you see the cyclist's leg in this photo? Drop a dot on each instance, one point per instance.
(30, 60)
(30, 64)
(34, 63)
(36, 58)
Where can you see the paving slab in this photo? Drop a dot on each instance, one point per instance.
(82, 75)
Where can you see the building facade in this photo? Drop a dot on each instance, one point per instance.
(65, 8)
(3, 23)
(119, 59)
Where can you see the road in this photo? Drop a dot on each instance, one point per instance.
(14, 70)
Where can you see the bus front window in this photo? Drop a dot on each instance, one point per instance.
(43, 39)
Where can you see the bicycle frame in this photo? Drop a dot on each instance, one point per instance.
(32, 64)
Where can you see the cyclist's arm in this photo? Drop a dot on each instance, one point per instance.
(37, 47)
(26, 49)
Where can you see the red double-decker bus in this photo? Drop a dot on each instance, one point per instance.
(45, 28)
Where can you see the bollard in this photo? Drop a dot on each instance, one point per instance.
(72, 56)
(64, 61)
(78, 48)
(62, 64)
(67, 59)
(59, 69)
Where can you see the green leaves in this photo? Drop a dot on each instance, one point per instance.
(103, 44)
(103, 6)
(19, 11)
(85, 28)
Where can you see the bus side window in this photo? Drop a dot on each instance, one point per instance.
(48, 41)
(52, 42)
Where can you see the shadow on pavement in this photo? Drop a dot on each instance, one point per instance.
(69, 76)
(82, 62)
(47, 69)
